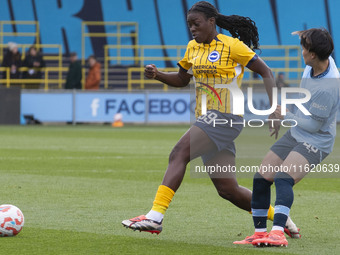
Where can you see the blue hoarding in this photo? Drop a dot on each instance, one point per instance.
(47, 107)
(101, 107)
(83, 106)
(169, 107)
(143, 107)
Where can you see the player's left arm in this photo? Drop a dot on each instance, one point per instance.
(243, 55)
(257, 65)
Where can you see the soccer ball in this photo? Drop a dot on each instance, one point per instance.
(11, 220)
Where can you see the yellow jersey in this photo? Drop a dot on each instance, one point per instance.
(220, 62)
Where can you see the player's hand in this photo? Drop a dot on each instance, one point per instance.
(274, 124)
(150, 71)
(277, 112)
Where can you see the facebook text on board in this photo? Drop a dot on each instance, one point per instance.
(155, 106)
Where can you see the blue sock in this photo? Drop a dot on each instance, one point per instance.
(260, 202)
(284, 198)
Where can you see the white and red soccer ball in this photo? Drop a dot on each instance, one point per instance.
(11, 220)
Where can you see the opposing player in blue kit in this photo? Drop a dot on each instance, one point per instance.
(303, 146)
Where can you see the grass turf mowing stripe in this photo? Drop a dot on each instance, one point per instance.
(76, 184)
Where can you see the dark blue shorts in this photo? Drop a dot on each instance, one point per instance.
(221, 132)
(287, 143)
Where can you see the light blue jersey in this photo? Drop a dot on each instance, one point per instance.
(323, 105)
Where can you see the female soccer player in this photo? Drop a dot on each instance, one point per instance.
(212, 58)
(303, 146)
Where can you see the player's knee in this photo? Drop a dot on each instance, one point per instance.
(178, 153)
(284, 178)
(260, 184)
(228, 193)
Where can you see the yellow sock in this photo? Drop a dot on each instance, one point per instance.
(270, 213)
(163, 198)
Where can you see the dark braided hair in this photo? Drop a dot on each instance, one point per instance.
(239, 27)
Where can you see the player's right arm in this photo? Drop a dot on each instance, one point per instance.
(179, 79)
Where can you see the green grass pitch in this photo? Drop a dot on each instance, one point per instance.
(76, 184)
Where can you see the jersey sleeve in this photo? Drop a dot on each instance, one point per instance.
(184, 63)
(321, 106)
(241, 53)
(310, 124)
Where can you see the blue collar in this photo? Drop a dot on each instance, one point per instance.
(216, 38)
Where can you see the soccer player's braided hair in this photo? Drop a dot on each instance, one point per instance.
(239, 27)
